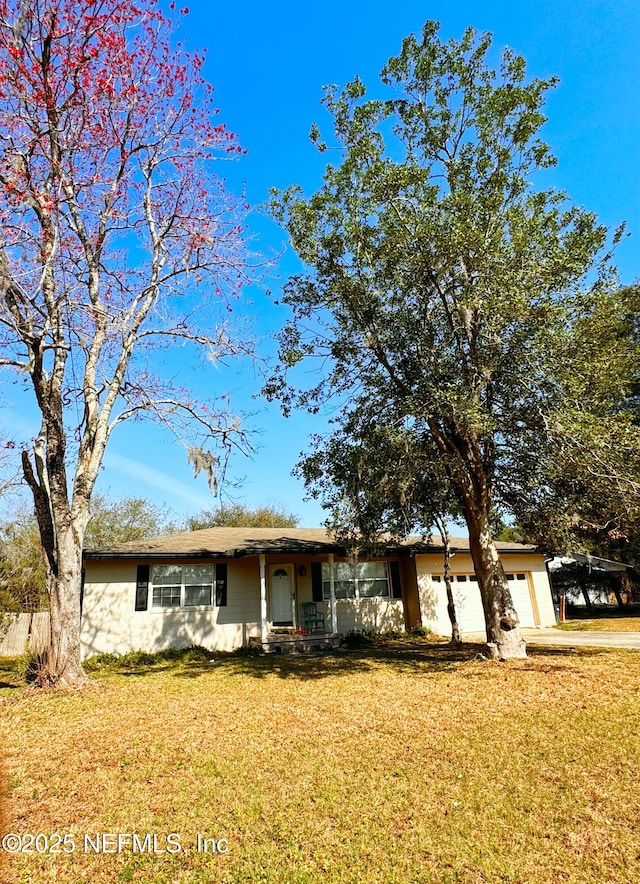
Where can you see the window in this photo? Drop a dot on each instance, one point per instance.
(462, 578)
(181, 586)
(365, 580)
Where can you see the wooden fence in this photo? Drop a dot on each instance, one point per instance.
(24, 633)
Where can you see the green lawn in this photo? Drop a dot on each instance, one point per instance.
(404, 764)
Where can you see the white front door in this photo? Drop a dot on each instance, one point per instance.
(282, 595)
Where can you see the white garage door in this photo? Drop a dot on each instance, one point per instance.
(469, 612)
(519, 586)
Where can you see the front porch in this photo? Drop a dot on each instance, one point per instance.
(282, 618)
(286, 642)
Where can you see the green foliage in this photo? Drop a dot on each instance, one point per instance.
(238, 515)
(451, 302)
(368, 638)
(99, 662)
(134, 660)
(513, 534)
(588, 498)
(420, 632)
(378, 478)
(122, 519)
(22, 571)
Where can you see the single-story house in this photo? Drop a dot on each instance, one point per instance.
(222, 587)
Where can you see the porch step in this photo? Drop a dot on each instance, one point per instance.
(294, 643)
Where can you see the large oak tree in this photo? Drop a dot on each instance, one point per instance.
(117, 240)
(438, 281)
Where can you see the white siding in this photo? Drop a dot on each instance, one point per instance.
(110, 622)
(469, 611)
(376, 614)
(539, 587)
(521, 597)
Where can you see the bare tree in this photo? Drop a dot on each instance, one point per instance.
(117, 240)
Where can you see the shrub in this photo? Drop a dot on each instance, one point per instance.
(370, 638)
(420, 632)
(141, 659)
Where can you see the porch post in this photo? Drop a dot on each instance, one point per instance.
(332, 597)
(264, 631)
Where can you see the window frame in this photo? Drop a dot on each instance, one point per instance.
(183, 587)
(355, 581)
(470, 577)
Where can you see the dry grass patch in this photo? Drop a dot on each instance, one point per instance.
(404, 764)
(602, 624)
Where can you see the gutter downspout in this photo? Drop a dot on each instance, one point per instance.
(332, 597)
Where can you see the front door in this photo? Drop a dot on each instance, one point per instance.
(282, 595)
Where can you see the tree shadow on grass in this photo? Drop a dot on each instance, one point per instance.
(329, 665)
(419, 658)
(307, 668)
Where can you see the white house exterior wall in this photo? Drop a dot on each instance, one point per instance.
(362, 615)
(110, 623)
(375, 614)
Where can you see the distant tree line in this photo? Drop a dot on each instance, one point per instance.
(113, 521)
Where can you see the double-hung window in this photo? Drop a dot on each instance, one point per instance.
(363, 580)
(181, 586)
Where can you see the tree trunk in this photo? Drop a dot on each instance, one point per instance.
(59, 665)
(451, 606)
(585, 594)
(504, 639)
(616, 586)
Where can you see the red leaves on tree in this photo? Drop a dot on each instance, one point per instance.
(115, 231)
(93, 98)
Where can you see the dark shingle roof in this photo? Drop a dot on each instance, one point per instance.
(237, 542)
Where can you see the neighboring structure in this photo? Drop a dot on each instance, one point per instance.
(587, 580)
(221, 587)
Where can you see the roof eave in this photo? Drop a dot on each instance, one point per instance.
(307, 549)
(314, 550)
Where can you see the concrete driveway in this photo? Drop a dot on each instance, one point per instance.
(568, 639)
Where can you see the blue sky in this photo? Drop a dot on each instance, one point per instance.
(268, 63)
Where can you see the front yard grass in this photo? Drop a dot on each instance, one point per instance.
(411, 763)
(609, 620)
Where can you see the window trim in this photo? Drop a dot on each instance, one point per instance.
(183, 587)
(356, 597)
(470, 577)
